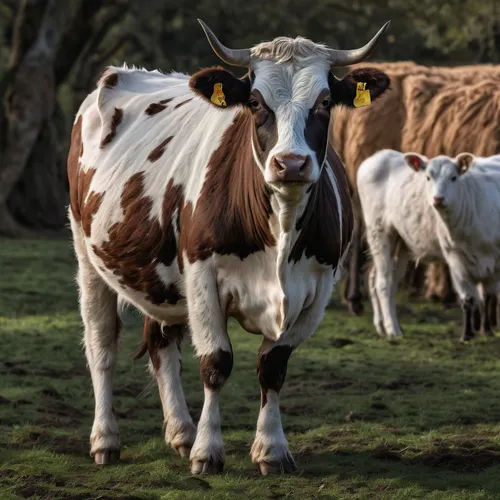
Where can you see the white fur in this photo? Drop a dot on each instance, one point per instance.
(398, 222)
(468, 223)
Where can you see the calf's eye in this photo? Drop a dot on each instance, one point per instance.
(254, 104)
(428, 178)
(454, 178)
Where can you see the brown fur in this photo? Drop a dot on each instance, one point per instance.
(182, 103)
(137, 244)
(215, 369)
(271, 370)
(108, 79)
(156, 107)
(92, 205)
(73, 165)
(157, 338)
(159, 150)
(115, 121)
(232, 213)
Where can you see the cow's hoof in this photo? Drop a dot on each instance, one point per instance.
(210, 466)
(183, 451)
(284, 466)
(106, 457)
(180, 437)
(488, 333)
(355, 307)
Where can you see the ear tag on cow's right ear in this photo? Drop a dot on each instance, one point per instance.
(362, 96)
(218, 96)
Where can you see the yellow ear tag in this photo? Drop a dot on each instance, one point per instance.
(362, 96)
(218, 96)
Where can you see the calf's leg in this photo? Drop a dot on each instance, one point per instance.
(212, 345)
(164, 347)
(377, 312)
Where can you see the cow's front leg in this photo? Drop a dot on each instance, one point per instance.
(270, 448)
(211, 342)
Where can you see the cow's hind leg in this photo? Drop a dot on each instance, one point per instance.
(164, 347)
(98, 306)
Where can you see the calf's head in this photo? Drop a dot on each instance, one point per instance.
(289, 91)
(443, 175)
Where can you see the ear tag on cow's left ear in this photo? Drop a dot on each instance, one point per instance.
(218, 96)
(362, 96)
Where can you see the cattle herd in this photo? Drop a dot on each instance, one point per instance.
(199, 198)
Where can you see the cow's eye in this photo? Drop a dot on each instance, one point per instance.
(428, 178)
(326, 102)
(254, 104)
(454, 178)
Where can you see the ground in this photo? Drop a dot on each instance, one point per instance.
(365, 418)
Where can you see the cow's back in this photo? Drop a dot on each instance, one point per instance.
(140, 149)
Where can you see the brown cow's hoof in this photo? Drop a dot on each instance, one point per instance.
(210, 466)
(106, 457)
(285, 466)
(487, 333)
(355, 307)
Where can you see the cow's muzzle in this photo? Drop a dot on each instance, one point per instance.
(291, 168)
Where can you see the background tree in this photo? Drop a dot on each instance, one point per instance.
(52, 52)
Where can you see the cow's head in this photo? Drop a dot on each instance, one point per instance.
(443, 175)
(290, 91)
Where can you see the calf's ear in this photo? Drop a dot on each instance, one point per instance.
(415, 161)
(464, 162)
(345, 92)
(220, 87)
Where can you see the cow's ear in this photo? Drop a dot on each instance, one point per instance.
(415, 161)
(220, 87)
(464, 162)
(347, 92)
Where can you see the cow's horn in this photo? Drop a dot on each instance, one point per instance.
(347, 57)
(234, 57)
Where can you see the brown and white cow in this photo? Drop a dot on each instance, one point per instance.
(204, 197)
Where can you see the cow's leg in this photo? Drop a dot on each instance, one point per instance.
(382, 247)
(270, 450)
(212, 345)
(354, 298)
(467, 293)
(98, 307)
(377, 312)
(487, 304)
(164, 347)
(493, 311)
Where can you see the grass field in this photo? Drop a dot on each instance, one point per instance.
(366, 419)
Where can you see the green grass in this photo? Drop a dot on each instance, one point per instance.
(366, 419)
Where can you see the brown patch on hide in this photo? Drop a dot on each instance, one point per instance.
(271, 370)
(108, 80)
(73, 166)
(182, 103)
(157, 338)
(115, 121)
(215, 369)
(233, 210)
(156, 107)
(92, 204)
(137, 244)
(320, 234)
(159, 150)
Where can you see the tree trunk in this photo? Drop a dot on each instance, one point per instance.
(33, 189)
